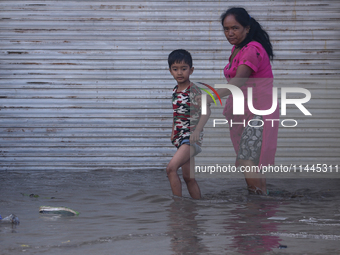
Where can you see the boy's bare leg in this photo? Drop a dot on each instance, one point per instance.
(181, 157)
(256, 181)
(188, 175)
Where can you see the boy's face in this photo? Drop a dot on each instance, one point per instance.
(181, 72)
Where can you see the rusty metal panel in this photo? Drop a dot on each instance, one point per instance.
(85, 85)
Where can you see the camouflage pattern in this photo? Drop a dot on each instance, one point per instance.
(186, 113)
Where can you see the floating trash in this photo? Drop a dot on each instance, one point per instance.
(277, 218)
(58, 210)
(12, 218)
(35, 196)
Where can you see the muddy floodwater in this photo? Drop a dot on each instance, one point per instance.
(133, 212)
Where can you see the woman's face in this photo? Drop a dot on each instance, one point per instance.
(234, 31)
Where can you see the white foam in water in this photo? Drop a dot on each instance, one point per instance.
(310, 220)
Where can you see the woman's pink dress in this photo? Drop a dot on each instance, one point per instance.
(261, 80)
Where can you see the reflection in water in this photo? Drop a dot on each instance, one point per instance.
(184, 229)
(133, 213)
(251, 228)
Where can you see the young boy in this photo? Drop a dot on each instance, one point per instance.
(187, 124)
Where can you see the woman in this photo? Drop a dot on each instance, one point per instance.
(249, 66)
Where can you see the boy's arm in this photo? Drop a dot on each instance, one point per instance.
(172, 132)
(194, 137)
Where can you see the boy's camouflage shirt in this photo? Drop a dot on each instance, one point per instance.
(186, 113)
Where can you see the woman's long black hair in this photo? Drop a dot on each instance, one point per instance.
(256, 32)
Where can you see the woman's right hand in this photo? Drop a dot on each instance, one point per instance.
(199, 99)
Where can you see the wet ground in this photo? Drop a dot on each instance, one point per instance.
(134, 213)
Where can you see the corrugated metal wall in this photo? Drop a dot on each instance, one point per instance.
(85, 84)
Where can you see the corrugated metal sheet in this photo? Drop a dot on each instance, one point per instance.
(85, 84)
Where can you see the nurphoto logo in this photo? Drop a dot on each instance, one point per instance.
(238, 103)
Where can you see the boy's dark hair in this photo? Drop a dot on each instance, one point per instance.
(177, 56)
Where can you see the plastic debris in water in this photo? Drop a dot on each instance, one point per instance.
(277, 218)
(35, 196)
(12, 218)
(282, 246)
(58, 210)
